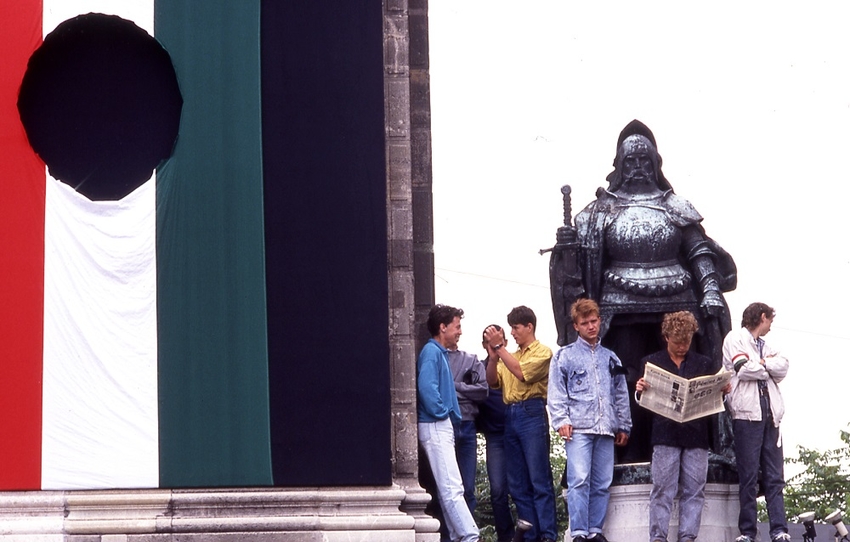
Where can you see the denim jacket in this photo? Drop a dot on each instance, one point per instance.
(587, 389)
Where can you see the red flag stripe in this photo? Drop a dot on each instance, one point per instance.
(22, 178)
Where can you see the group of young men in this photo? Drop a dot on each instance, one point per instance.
(513, 420)
(581, 391)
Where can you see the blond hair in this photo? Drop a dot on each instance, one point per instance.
(679, 326)
(583, 308)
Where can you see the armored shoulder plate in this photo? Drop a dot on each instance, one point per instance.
(681, 210)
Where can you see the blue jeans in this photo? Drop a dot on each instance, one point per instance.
(437, 439)
(498, 478)
(675, 471)
(757, 445)
(466, 451)
(590, 471)
(529, 469)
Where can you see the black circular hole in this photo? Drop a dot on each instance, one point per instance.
(101, 105)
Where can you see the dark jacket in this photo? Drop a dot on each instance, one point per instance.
(692, 434)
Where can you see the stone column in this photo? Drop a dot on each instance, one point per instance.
(421, 178)
(410, 233)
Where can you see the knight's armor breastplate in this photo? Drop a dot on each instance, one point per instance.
(642, 246)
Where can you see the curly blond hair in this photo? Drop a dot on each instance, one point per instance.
(679, 326)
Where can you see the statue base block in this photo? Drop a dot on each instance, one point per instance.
(628, 513)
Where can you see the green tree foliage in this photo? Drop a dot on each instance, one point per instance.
(824, 484)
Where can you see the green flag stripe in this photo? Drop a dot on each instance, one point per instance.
(213, 361)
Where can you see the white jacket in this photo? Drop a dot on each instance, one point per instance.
(743, 400)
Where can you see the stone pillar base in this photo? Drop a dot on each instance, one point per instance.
(427, 528)
(628, 514)
(218, 515)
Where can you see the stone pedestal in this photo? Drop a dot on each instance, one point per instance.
(253, 515)
(427, 528)
(628, 513)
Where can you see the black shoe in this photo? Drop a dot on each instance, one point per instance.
(598, 537)
(580, 538)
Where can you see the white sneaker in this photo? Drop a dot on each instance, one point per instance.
(782, 537)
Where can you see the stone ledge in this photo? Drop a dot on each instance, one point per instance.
(311, 514)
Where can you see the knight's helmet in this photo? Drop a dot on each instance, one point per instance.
(636, 137)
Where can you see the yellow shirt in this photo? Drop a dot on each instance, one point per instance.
(534, 362)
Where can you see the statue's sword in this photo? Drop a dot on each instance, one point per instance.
(564, 275)
(566, 233)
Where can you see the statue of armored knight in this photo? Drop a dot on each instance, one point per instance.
(639, 251)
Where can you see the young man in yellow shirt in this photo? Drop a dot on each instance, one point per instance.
(523, 377)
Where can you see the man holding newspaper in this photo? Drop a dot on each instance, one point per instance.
(681, 434)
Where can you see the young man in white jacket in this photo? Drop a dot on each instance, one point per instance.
(757, 408)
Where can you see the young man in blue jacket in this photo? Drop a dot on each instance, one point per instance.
(436, 408)
(589, 408)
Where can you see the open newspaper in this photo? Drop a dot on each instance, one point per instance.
(681, 399)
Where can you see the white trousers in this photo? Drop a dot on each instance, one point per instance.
(438, 441)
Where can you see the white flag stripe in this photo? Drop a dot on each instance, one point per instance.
(138, 11)
(99, 425)
(100, 415)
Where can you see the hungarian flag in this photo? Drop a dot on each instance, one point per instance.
(193, 244)
(102, 264)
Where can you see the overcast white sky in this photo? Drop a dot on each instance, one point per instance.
(750, 106)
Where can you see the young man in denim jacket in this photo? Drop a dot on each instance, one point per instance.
(589, 408)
